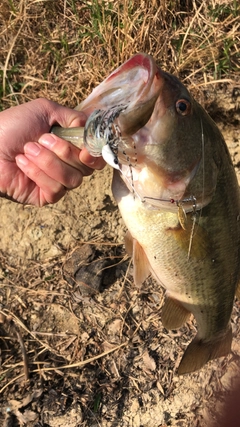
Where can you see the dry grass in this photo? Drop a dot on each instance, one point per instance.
(61, 50)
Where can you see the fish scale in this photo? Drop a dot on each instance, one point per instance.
(185, 279)
(178, 195)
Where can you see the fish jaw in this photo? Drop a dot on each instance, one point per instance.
(148, 136)
(157, 190)
(133, 88)
(165, 160)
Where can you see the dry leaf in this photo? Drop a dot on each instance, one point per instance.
(148, 361)
(114, 327)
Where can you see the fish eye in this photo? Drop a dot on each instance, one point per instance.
(183, 107)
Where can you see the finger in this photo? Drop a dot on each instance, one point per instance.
(93, 162)
(65, 151)
(51, 189)
(54, 167)
(56, 113)
(69, 153)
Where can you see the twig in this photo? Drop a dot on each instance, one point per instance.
(13, 326)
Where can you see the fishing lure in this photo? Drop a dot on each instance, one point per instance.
(100, 135)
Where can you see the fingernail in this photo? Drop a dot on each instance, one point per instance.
(20, 159)
(91, 163)
(47, 140)
(32, 149)
(96, 163)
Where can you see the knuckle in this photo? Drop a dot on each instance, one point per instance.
(56, 196)
(74, 180)
(86, 170)
(64, 150)
(48, 164)
(52, 197)
(35, 173)
(47, 104)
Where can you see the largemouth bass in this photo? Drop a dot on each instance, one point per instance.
(178, 195)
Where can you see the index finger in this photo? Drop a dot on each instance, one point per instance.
(90, 161)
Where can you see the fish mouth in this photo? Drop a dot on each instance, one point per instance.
(121, 105)
(131, 117)
(129, 86)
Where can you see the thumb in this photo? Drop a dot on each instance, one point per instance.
(67, 117)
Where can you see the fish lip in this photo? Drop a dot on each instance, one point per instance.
(139, 111)
(131, 92)
(139, 59)
(126, 86)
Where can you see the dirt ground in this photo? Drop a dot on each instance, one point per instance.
(80, 345)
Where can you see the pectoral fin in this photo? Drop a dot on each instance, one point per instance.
(141, 268)
(140, 264)
(128, 243)
(199, 352)
(174, 315)
(194, 241)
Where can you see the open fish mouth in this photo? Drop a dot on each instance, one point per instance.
(132, 115)
(100, 130)
(117, 108)
(126, 100)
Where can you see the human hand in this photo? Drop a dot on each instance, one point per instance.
(37, 167)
